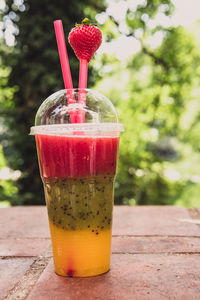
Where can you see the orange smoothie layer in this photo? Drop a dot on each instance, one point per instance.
(80, 253)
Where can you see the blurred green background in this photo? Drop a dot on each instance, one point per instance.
(148, 65)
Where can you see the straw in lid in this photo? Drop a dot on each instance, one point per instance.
(53, 116)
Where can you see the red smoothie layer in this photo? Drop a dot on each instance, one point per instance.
(75, 156)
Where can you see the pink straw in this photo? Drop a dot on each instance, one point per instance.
(83, 74)
(82, 85)
(64, 61)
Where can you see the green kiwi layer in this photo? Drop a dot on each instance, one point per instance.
(80, 203)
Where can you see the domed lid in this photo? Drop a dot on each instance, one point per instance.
(76, 110)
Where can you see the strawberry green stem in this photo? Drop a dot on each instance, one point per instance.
(86, 21)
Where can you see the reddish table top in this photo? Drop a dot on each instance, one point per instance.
(155, 255)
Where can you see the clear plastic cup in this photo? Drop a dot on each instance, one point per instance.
(78, 166)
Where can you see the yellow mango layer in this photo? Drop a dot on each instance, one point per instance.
(80, 253)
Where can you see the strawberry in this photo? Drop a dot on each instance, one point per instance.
(85, 39)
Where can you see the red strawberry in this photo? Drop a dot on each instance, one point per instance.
(85, 40)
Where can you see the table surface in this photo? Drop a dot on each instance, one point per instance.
(155, 255)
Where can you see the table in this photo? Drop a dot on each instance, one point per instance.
(155, 255)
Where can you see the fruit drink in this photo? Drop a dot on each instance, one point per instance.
(78, 174)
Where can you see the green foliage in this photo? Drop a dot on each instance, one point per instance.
(4, 204)
(156, 103)
(34, 73)
(8, 189)
(156, 93)
(2, 159)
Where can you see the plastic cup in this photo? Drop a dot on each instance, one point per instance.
(78, 166)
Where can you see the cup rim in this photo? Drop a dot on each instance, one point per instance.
(67, 129)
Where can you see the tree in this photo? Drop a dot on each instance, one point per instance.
(35, 71)
(152, 90)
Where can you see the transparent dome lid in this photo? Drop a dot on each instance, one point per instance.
(57, 107)
(76, 109)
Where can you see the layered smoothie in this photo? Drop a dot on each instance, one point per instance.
(78, 174)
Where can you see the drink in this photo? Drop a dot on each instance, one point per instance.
(78, 173)
(77, 166)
